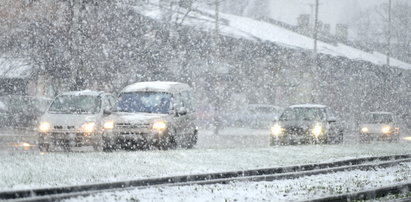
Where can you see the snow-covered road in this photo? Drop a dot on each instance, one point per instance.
(33, 170)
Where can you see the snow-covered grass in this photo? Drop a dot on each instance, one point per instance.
(304, 188)
(20, 170)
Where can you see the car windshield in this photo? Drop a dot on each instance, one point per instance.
(148, 102)
(379, 118)
(75, 104)
(306, 114)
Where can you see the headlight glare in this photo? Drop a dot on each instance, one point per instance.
(88, 127)
(108, 125)
(317, 130)
(159, 125)
(44, 127)
(386, 129)
(276, 130)
(364, 130)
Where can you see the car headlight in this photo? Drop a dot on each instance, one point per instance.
(386, 129)
(276, 130)
(44, 127)
(364, 130)
(108, 125)
(317, 130)
(88, 127)
(159, 126)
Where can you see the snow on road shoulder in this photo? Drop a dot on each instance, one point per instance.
(304, 188)
(35, 170)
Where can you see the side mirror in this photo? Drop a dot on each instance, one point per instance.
(332, 119)
(181, 111)
(106, 112)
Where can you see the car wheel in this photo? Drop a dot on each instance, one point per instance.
(43, 147)
(364, 138)
(107, 147)
(97, 147)
(167, 142)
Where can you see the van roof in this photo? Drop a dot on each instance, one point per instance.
(380, 113)
(308, 106)
(83, 92)
(156, 86)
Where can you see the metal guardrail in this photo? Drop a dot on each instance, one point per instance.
(369, 194)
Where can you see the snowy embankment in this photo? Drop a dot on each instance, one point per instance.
(31, 169)
(250, 29)
(304, 188)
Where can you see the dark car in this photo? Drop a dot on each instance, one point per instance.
(22, 111)
(306, 123)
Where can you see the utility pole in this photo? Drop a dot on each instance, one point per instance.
(389, 34)
(217, 29)
(216, 62)
(316, 29)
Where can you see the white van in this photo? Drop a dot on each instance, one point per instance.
(74, 119)
(379, 126)
(147, 114)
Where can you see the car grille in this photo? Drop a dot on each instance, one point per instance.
(132, 126)
(59, 127)
(295, 131)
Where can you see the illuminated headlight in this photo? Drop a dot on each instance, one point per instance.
(386, 129)
(88, 127)
(108, 125)
(364, 130)
(317, 130)
(159, 126)
(276, 130)
(44, 127)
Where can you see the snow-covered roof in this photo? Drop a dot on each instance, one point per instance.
(247, 28)
(83, 92)
(388, 113)
(263, 105)
(308, 106)
(156, 86)
(14, 68)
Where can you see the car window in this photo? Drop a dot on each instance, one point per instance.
(148, 102)
(330, 113)
(379, 118)
(178, 101)
(186, 98)
(306, 114)
(75, 104)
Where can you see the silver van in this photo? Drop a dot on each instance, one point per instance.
(148, 114)
(74, 119)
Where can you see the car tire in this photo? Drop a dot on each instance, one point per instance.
(279, 141)
(193, 140)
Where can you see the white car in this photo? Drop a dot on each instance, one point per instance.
(379, 126)
(74, 119)
(148, 114)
